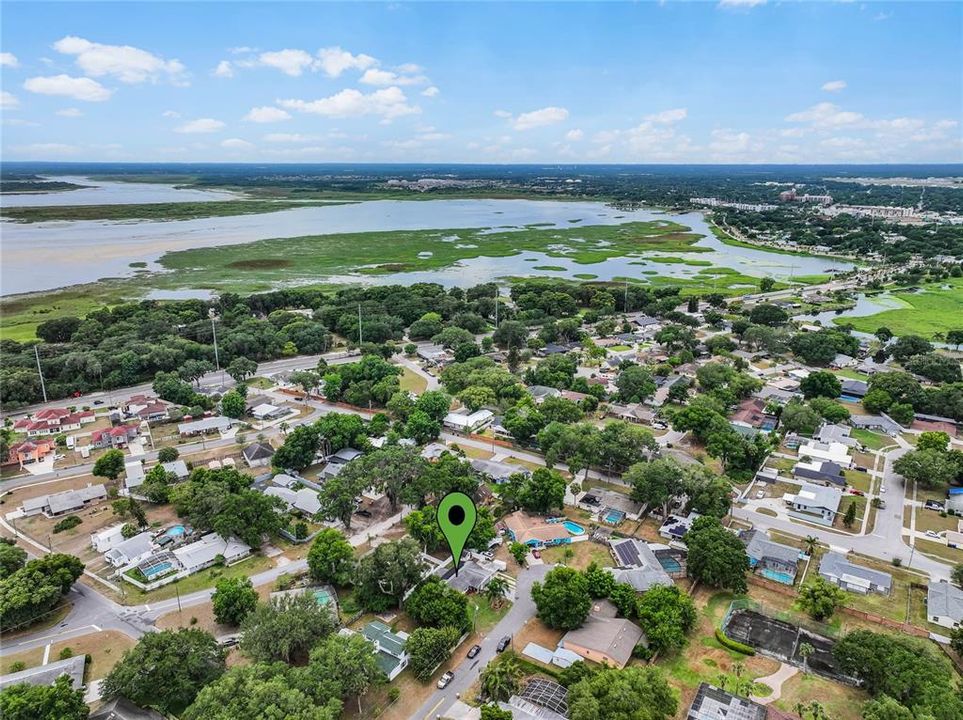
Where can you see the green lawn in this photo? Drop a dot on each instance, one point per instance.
(872, 440)
(931, 311)
(200, 581)
(151, 211)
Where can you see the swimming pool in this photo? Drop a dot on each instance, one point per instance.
(779, 577)
(846, 397)
(613, 517)
(175, 531)
(669, 563)
(574, 527)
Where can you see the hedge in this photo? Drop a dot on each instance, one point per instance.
(733, 644)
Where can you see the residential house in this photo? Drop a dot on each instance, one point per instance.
(106, 539)
(944, 604)
(304, 501)
(835, 568)
(468, 423)
(267, 411)
(43, 675)
(833, 452)
(392, 657)
(770, 559)
(842, 361)
(675, 527)
(831, 433)
(204, 426)
(751, 413)
(769, 393)
(661, 395)
(637, 565)
(178, 468)
(64, 502)
(30, 451)
(498, 472)
(434, 354)
(604, 638)
(539, 393)
(557, 349)
(854, 389)
(633, 413)
(616, 507)
(133, 474)
(146, 408)
(324, 595)
(877, 423)
(130, 551)
(117, 436)
(120, 708)
(258, 454)
(471, 576)
(533, 531)
(53, 421)
(206, 551)
(820, 473)
(712, 703)
(814, 503)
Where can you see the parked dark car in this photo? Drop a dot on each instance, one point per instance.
(473, 651)
(363, 513)
(503, 643)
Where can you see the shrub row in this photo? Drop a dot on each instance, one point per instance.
(733, 644)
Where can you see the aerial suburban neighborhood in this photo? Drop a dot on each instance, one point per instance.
(481, 361)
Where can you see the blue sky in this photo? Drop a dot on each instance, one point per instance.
(733, 81)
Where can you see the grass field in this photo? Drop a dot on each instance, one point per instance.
(934, 310)
(152, 211)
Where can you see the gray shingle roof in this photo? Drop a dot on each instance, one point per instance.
(836, 565)
(945, 600)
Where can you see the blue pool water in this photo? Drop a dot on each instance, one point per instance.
(175, 531)
(845, 397)
(573, 527)
(156, 570)
(779, 577)
(614, 517)
(669, 564)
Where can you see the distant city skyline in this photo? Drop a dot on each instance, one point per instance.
(738, 81)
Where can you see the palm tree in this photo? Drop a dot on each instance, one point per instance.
(500, 679)
(811, 544)
(805, 650)
(495, 591)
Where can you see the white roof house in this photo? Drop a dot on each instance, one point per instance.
(217, 423)
(835, 568)
(266, 411)
(201, 554)
(177, 467)
(468, 423)
(814, 503)
(944, 604)
(106, 539)
(63, 502)
(835, 452)
(304, 500)
(134, 474)
(131, 550)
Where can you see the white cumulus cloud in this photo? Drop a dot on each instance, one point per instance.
(8, 59)
(540, 118)
(430, 91)
(287, 138)
(224, 69)
(825, 114)
(290, 62)
(335, 60)
(67, 86)
(388, 103)
(574, 135)
(384, 78)
(201, 125)
(267, 114)
(70, 112)
(124, 62)
(667, 117)
(834, 85)
(8, 101)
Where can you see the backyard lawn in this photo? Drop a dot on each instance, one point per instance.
(583, 553)
(412, 382)
(872, 440)
(199, 581)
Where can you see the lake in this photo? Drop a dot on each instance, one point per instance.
(105, 192)
(42, 256)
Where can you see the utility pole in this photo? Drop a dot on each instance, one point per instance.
(360, 337)
(43, 386)
(496, 307)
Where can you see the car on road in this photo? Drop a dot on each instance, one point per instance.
(230, 641)
(98, 402)
(760, 494)
(933, 505)
(445, 679)
(503, 643)
(854, 491)
(882, 488)
(488, 555)
(932, 534)
(363, 513)
(473, 651)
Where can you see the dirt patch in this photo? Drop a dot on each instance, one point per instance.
(260, 264)
(105, 649)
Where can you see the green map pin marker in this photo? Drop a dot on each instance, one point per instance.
(456, 518)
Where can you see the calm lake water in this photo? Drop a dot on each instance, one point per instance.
(100, 192)
(43, 256)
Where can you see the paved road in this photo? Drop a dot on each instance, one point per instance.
(467, 671)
